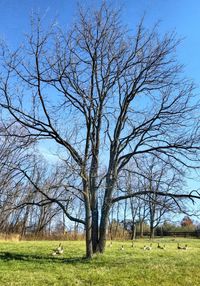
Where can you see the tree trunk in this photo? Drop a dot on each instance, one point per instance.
(95, 228)
(133, 231)
(103, 226)
(88, 228)
(141, 228)
(94, 199)
(152, 220)
(105, 213)
(102, 237)
(151, 230)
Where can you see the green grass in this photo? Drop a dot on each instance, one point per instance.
(31, 263)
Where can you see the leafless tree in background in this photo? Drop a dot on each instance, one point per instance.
(160, 177)
(106, 96)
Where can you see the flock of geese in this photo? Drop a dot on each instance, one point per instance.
(60, 250)
(150, 247)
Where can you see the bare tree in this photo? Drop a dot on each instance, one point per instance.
(19, 199)
(12, 151)
(160, 177)
(106, 96)
(134, 205)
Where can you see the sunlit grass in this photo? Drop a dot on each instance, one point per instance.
(31, 263)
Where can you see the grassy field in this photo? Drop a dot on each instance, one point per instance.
(31, 263)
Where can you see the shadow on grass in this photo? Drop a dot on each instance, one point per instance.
(7, 256)
(45, 259)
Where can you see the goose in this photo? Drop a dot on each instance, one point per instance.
(185, 247)
(58, 250)
(61, 250)
(148, 247)
(122, 248)
(178, 246)
(161, 247)
(182, 247)
(59, 247)
(132, 244)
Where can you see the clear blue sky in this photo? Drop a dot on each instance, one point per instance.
(181, 15)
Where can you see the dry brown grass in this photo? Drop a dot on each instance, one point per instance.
(70, 236)
(10, 237)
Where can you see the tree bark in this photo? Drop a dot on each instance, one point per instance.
(88, 231)
(141, 228)
(133, 230)
(151, 230)
(95, 228)
(103, 229)
(104, 222)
